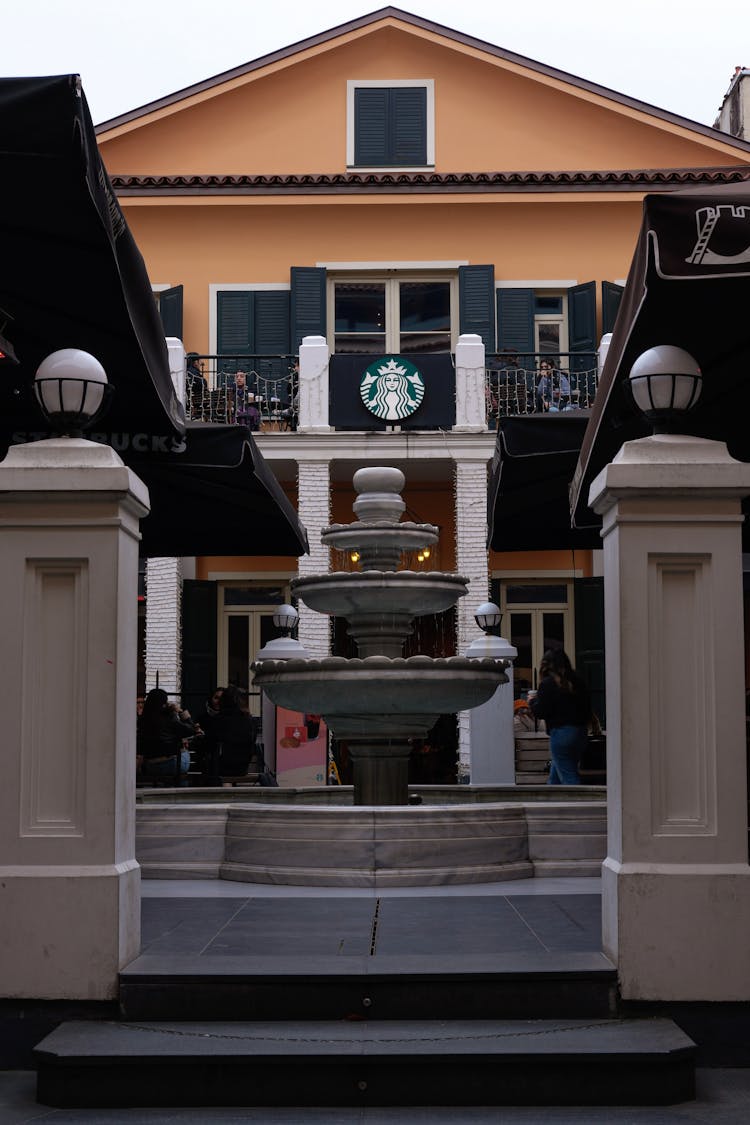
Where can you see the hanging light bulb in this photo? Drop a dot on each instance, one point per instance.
(354, 556)
(426, 552)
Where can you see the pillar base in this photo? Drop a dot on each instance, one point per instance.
(65, 933)
(678, 932)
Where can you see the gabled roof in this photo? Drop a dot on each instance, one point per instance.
(419, 23)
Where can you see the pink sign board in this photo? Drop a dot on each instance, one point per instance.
(301, 748)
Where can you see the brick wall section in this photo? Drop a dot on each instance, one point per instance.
(471, 561)
(164, 624)
(314, 493)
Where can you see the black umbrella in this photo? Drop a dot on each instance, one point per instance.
(689, 285)
(214, 494)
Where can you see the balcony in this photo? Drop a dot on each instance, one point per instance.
(260, 392)
(538, 383)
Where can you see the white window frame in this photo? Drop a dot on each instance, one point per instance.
(392, 280)
(390, 83)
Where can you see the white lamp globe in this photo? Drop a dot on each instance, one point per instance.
(70, 385)
(665, 380)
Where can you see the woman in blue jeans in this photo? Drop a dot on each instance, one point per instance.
(563, 701)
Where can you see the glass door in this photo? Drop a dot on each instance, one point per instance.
(245, 626)
(536, 617)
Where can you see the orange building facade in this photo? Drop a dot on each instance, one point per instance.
(391, 187)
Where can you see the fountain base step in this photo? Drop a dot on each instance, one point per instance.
(403, 1063)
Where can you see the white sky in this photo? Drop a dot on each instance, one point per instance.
(679, 55)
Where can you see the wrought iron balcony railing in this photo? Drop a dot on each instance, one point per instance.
(537, 383)
(260, 392)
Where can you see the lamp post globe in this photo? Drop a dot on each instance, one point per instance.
(665, 382)
(71, 388)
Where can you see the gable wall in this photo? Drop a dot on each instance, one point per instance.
(293, 120)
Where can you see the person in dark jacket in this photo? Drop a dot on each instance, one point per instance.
(229, 741)
(160, 733)
(563, 701)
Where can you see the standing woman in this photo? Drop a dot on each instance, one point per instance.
(563, 701)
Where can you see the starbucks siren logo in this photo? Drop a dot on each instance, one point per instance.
(391, 388)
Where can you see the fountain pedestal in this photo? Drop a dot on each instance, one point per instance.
(381, 772)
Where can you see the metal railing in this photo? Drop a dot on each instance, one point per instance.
(522, 384)
(261, 392)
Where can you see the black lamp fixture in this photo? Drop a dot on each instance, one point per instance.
(665, 382)
(488, 617)
(72, 390)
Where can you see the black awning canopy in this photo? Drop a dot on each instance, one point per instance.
(689, 286)
(71, 276)
(215, 496)
(535, 458)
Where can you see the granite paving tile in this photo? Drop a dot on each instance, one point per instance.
(183, 925)
(301, 927)
(565, 923)
(443, 926)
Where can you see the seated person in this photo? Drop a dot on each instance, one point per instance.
(552, 389)
(229, 741)
(161, 731)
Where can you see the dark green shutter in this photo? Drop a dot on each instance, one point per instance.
(170, 311)
(582, 318)
(611, 296)
(390, 126)
(589, 625)
(476, 307)
(235, 322)
(408, 126)
(272, 322)
(199, 628)
(515, 321)
(308, 303)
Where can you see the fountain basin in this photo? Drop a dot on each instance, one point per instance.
(379, 697)
(359, 596)
(408, 592)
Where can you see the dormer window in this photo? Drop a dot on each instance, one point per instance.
(391, 124)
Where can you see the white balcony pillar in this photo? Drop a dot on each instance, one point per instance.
(69, 881)
(471, 562)
(471, 401)
(164, 624)
(676, 880)
(313, 386)
(314, 507)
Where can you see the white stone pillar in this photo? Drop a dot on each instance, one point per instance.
(471, 400)
(314, 507)
(676, 880)
(313, 386)
(164, 624)
(69, 881)
(471, 562)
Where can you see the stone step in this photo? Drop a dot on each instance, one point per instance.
(368, 1063)
(508, 986)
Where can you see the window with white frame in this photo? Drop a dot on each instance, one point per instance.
(407, 313)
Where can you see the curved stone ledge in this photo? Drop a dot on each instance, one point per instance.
(340, 846)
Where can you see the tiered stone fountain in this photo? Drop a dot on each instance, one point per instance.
(378, 702)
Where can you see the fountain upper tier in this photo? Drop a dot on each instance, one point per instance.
(380, 602)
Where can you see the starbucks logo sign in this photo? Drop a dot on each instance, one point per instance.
(391, 388)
